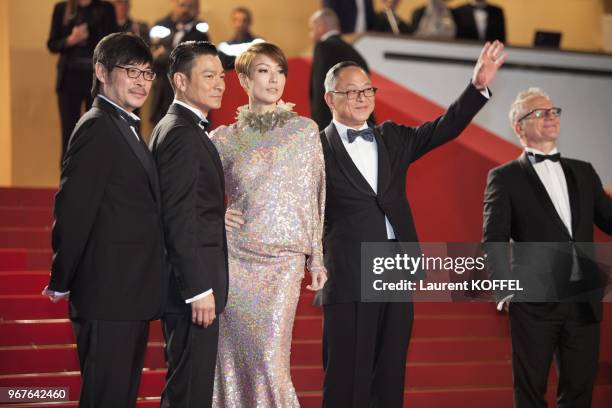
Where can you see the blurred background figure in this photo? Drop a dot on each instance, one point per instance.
(434, 21)
(180, 25)
(387, 21)
(126, 23)
(241, 20)
(329, 49)
(355, 16)
(76, 28)
(479, 20)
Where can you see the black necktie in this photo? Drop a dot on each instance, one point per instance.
(366, 134)
(541, 157)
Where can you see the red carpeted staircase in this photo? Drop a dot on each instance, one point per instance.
(459, 355)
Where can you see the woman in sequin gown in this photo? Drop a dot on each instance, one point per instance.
(275, 182)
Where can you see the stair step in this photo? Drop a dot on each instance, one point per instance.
(30, 197)
(26, 217)
(29, 238)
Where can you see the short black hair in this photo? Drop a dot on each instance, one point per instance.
(181, 57)
(119, 49)
(332, 74)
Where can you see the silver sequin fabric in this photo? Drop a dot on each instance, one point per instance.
(276, 178)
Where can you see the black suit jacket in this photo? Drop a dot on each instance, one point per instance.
(466, 24)
(517, 207)
(107, 237)
(346, 10)
(354, 213)
(193, 201)
(382, 24)
(327, 54)
(101, 21)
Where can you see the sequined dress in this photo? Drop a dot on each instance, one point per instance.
(274, 174)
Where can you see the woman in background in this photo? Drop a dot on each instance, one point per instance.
(275, 182)
(76, 27)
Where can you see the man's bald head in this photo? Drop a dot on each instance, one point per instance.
(321, 22)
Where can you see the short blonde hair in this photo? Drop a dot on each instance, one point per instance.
(245, 60)
(518, 106)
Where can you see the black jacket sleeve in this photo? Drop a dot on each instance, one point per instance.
(85, 171)
(178, 167)
(603, 205)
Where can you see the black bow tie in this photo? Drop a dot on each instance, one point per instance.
(130, 120)
(541, 157)
(366, 134)
(203, 125)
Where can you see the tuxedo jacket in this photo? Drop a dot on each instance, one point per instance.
(466, 24)
(518, 207)
(107, 238)
(382, 24)
(193, 203)
(354, 213)
(326, 54)
(101, 21)
(346, 10)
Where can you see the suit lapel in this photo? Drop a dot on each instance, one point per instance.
(136, 145)
(345, 162)
(572, 191)
(203, 136)
(384, 165)
(542, 195)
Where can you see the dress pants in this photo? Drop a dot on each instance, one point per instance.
(364, 354)
(191, 356)
(567, 331)
(111, 357)
(75, 90)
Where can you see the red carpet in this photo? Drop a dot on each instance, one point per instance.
(459, 355)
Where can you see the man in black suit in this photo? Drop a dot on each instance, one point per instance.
(180, 25)
(387, 21)
(365, 344)
(329, 50)
(107, 238)
(547, 205)
(479, 20)
(354, 18)
(192, 192)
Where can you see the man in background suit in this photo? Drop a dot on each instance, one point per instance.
(329, 50)
(192, 192)
(107, 238)
(387, 20)
(365, 344)
(356, 16)
(180, 25)
(545, 203)
(479, 20)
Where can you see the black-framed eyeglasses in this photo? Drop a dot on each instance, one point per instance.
(354, 93)
(134, 73)
(542, 112)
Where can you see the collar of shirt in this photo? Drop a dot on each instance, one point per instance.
(329, 34)
(536, 151)
(191, 108)
(343, 129)
(130, 114)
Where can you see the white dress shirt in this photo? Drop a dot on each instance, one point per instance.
(481, 17)
(365, 156)
(360, 23)
(202, 117)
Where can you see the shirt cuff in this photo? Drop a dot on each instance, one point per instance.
(200, 296)
(500, 304)
(485, 92)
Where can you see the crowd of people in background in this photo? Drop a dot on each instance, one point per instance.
(78, 25)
